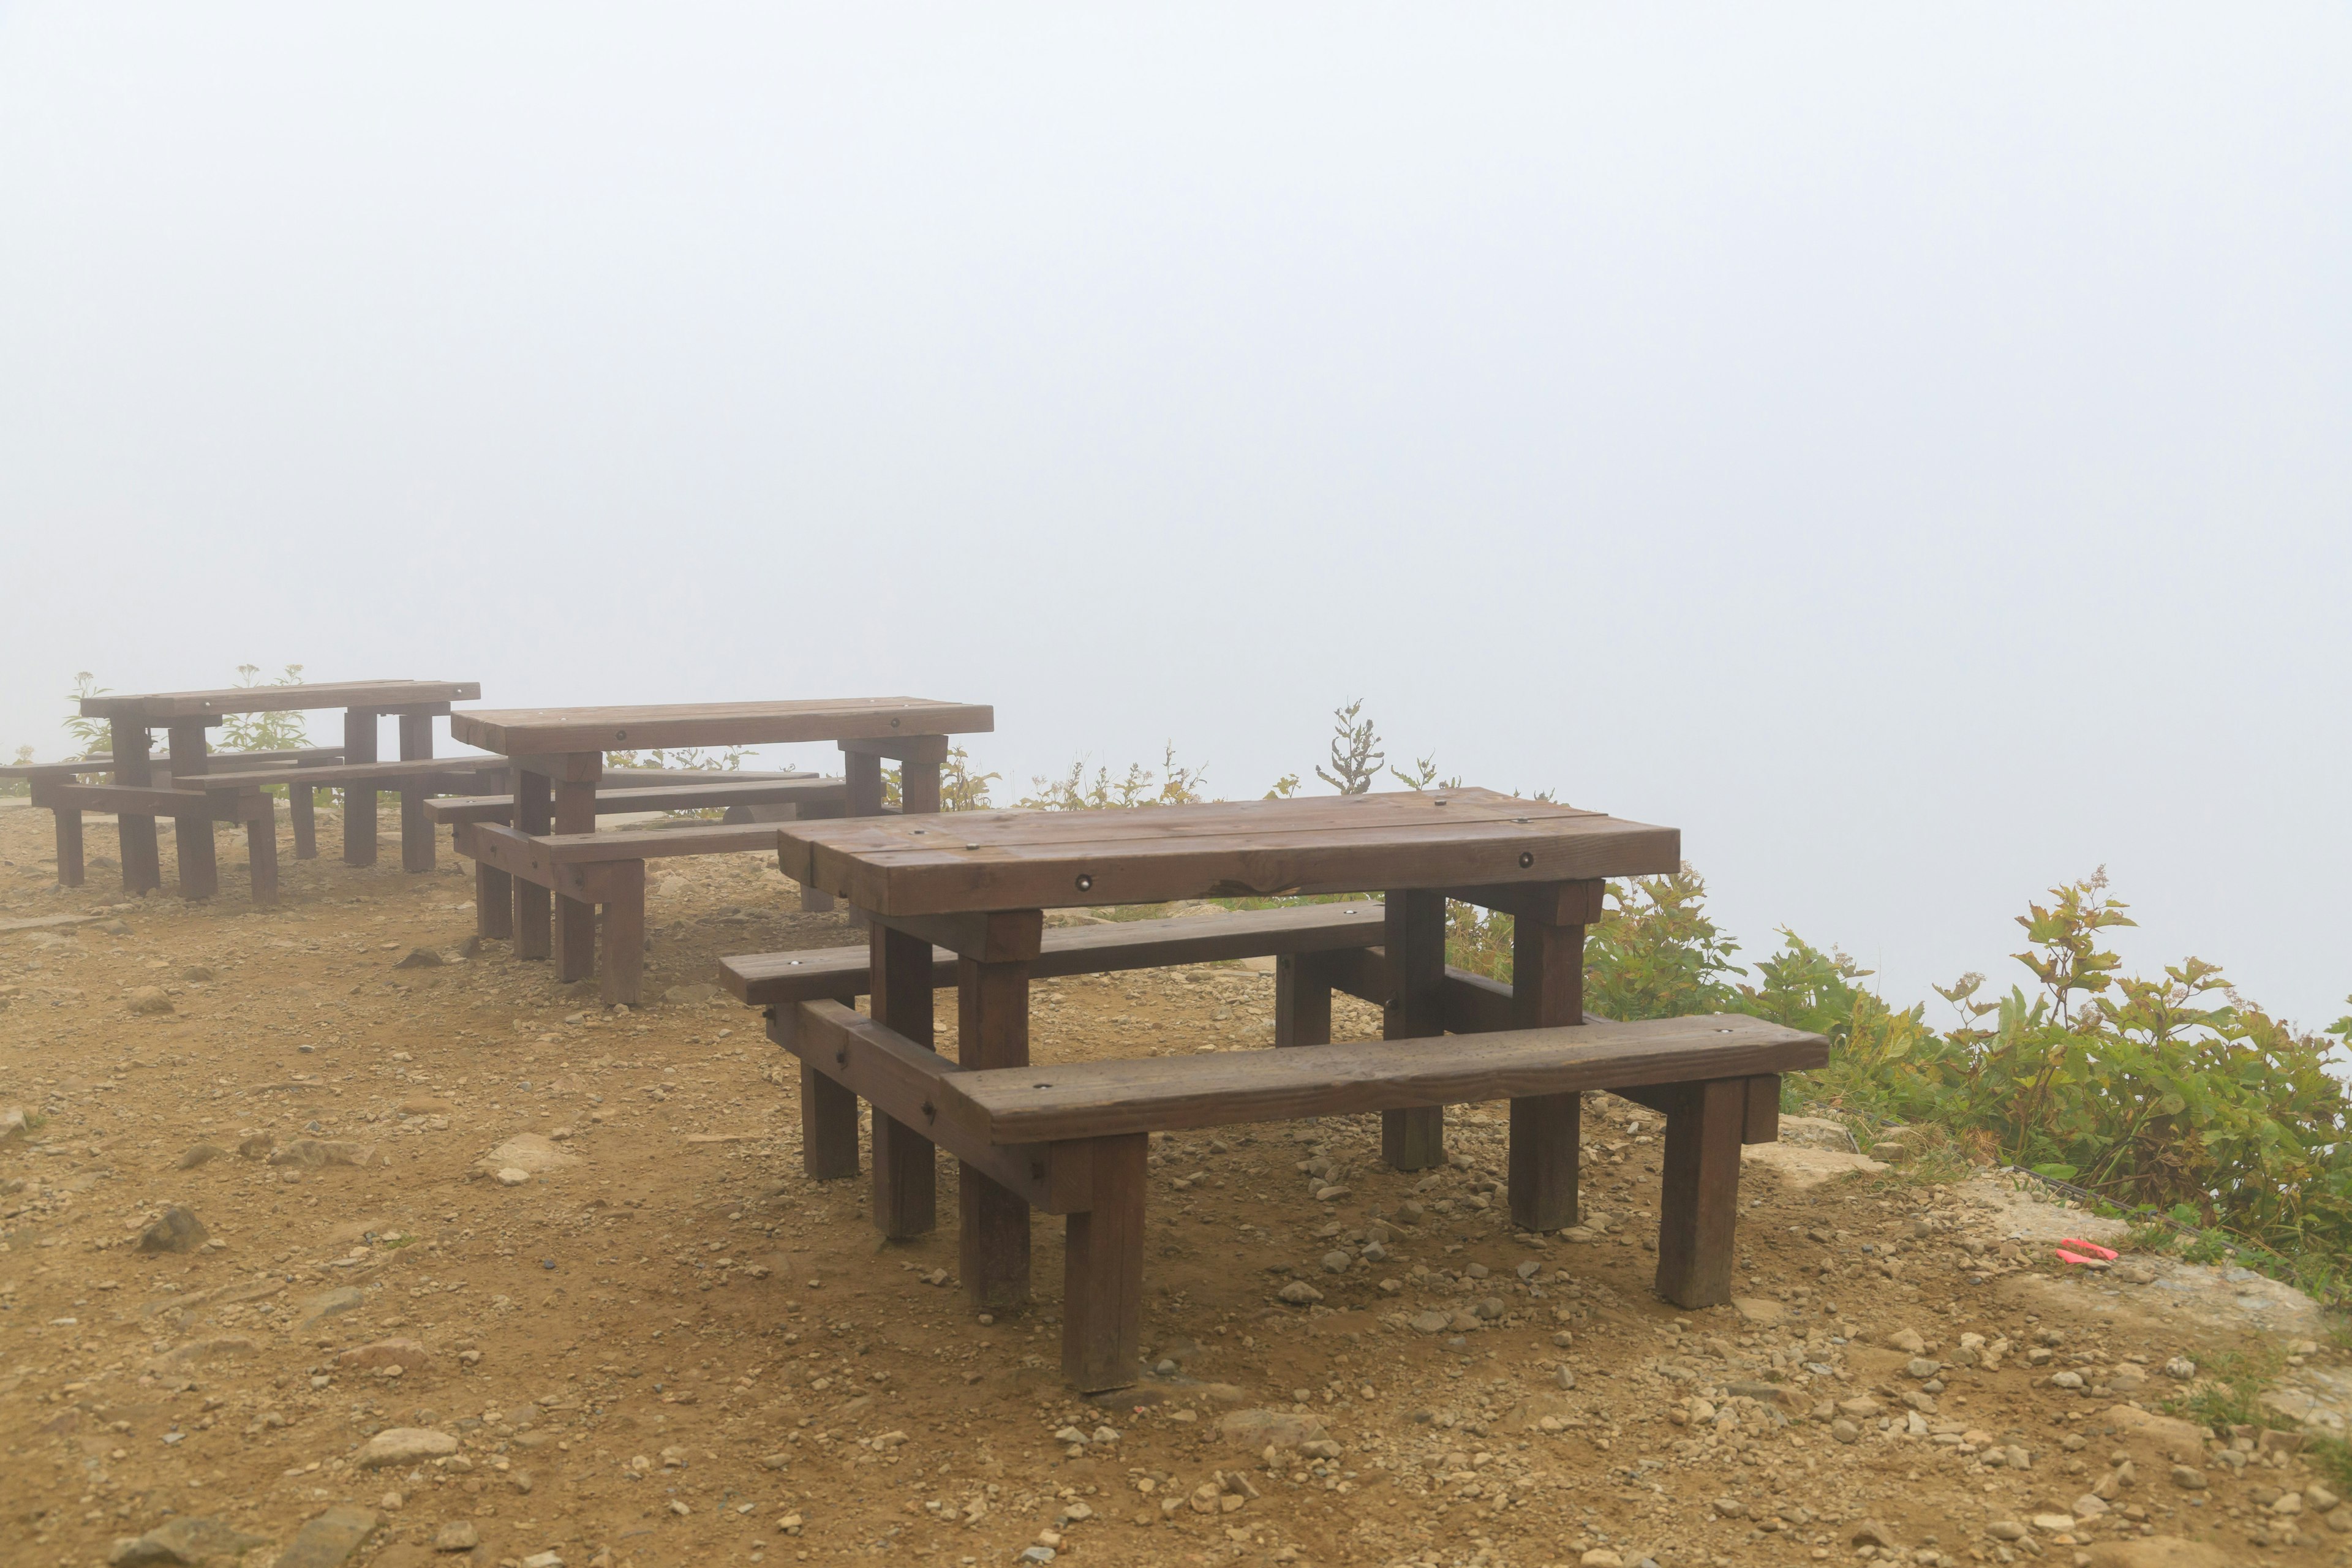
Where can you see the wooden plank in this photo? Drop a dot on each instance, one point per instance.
(416, 730)
(918, 788)
(857, 1058)
(142, 861)
(1016, 859)
(1302, 1001)
(561, 767)
(516, 730)
(1761, 1124)
(575, 918)
(160, 707)
(862, 779)
(386, 773)
(828, 1127)
(493, 901)
(70, 868)
(301, 807)
(1102, 1269)
(1547, 1130)
(261, 857)
(1080, 1100)
(906, 1169)
(358, 794)
(809, 791)
(994, 936)
(217, 805)
(103, 763)
(763, 979)
(624, 937)
(1698, 1200)
(1413, 1138)
(534, 905)
(993, 1233)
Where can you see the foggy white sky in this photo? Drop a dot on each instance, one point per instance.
(1904, 448)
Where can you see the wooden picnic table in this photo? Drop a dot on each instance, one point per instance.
(138, 777)
(976, 884)
(541, 880)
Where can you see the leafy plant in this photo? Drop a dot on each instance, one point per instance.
(1355, 754)
(91, 736)
(273, 731)
(1177, 785)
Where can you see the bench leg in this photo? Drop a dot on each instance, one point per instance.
(906, 1168)
(192, 843)
(1302, 1001)
(261, 854)
(918, 788)
(1546, 1140)
(624, 935)
(1547, 1130)
(574, 810)
(534, 812)
(142, 861)
(828, 1127)
(302, 807)
(992, 1031)
(1699, 1203)
(69, 861)
(416, 833)
(493, 901)
(1102, 1271)
(1413, 931)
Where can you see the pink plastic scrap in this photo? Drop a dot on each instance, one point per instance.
(2092, 1247)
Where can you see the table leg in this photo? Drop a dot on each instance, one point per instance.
(70, 860)
(1413, 931)
(1302, 1001)
(1698, 1205)
(919, 787)
(261, 850)
(1102, 1269)
(861, 775)
(625, 934)
(191, 830)
(142, 861)
(1547, 1129)
(302, 806)
(416, 833)
(534, 811)
(905, 1173)
(992, 1031)
(828, 1127)
(358, 804)
(493, 901)
(576, 922)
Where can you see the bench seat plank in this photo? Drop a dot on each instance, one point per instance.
(768, 979)
(331, 774)
(808, 789)
(1095, 1099)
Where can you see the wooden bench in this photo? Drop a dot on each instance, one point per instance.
(1071, 1138)
(47, 778)
(609, 868)
(416, 780)
(192, 815)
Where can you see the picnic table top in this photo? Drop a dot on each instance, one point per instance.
(520, 732)
(166, 705)
(964, 862)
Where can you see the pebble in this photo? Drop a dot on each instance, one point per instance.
(2188, 1478)
(512, 1176)
(149, 1001)
(1336, 1262)
(457, 1535)
(197, 1155)
(1298, 1293)
(183, 1540)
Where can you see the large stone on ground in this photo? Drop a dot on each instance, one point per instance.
(178, 1230)
(2168, 1433)
(312, 1153)
(404, 1444)
(184, 1540)
(529, 1154)
(2165, 1551)
(408, 1355)
(331, 1303)
(328, 1540)
(1800, 1168)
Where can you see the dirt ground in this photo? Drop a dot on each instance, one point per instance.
(665, 1346)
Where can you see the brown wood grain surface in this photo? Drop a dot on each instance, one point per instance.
(1083, 1099)
(979, 860)
(806, 790)
(514, 730)
(767, 978)
(158, 707)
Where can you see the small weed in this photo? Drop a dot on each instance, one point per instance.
(2332, 1457)
(2229, 1393)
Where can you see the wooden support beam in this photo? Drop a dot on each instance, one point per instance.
(1547, 1130)
(302, 809)
(415, 832)
(575, 918)
(192, 828)
(1102, 1267)
(992, 1031)
(906, 1172)
(624, 967)
(1413, 936)
(999, 936)
(261, 856)
(1699, 1191)
(142, 860)
(1302, 1000)
(359, 798)
(534, 907)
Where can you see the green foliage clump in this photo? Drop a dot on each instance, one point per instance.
(91, 736)
(1174, 784)
(274, 732)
